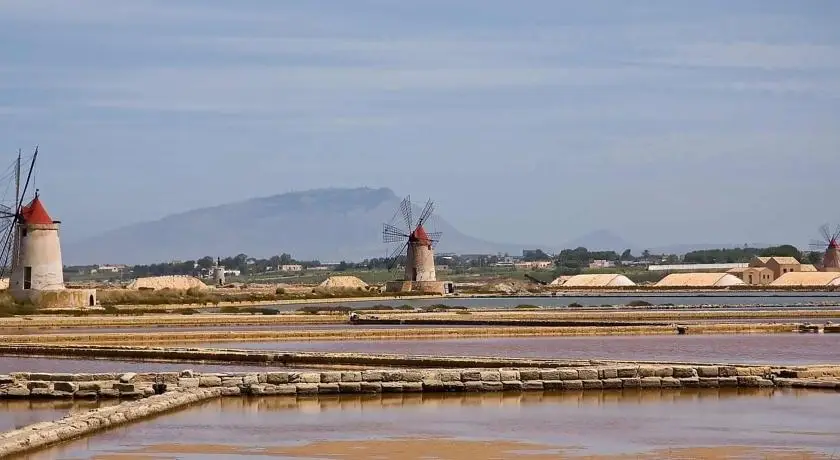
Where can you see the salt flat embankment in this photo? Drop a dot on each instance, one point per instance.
(382, 334)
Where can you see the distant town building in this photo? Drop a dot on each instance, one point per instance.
(291, 268)
(534, 265)
(108, 269)
(601, 264)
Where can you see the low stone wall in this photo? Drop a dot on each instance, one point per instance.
(76, 425)
(135, 386)
(63, 298)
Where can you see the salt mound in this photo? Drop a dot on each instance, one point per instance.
(506, 288)
(182, 282)
(343, 282)
(4, 283)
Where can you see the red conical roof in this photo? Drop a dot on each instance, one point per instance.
(35, 213)
(419, 235)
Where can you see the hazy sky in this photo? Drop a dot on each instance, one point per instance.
(528, 121)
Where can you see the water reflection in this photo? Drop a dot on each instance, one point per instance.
(16, 414)
(468, 425)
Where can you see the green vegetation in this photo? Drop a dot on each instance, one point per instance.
(208, 297)
(527, 307)
(739, 255)
(638, 303)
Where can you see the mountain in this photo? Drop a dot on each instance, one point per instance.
(325, 224)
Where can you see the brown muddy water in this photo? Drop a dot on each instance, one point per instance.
(628, 424)
(16, 413)
(741, 348)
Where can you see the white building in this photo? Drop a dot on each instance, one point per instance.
(291, 268)
(601, 264)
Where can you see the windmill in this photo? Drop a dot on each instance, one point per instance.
(13, 214)
(831, 247)
(413, 242)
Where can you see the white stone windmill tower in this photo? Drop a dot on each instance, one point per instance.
(417, 247)
(30, 251)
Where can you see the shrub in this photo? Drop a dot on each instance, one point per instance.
(280, 291)
(189, 311)
(575, 305)
(638, 303)
(527, 307)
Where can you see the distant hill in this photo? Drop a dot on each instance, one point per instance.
(325, 224)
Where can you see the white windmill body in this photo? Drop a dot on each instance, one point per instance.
(36, 264)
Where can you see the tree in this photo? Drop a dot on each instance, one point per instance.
(646, 254)
(531, 255)
(626, 255)
(206, 263)
(815, 258)
(785, 250)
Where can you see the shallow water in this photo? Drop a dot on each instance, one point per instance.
(735, 298)
(16, 414)
(695, 423)
(740, 348)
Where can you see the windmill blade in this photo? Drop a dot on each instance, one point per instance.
(434, 237)
(836, 235)
(427, 211)
(392, 259)
(825, 231)
(405, 209)
(28, 178)
(391, 234)
(818, 244)
(6, 248)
